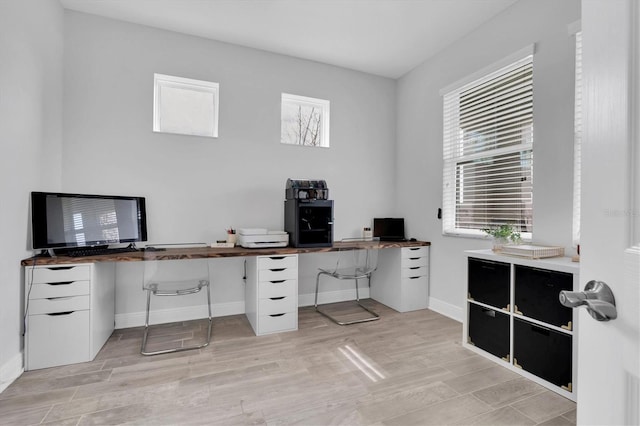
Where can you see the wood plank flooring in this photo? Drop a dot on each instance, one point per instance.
(405, 369)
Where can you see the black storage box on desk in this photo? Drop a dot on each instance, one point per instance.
(308, 213)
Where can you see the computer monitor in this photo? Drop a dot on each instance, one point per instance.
(389, 229)
(61, 220)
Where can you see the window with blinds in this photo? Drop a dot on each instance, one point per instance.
(488, 152)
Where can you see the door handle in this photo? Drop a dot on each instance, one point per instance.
(597, 297)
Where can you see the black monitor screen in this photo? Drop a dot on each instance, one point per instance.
(78, 220)
(388, 229)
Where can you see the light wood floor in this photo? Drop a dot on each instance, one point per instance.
(405, 369)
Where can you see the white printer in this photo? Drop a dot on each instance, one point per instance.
(260, 237)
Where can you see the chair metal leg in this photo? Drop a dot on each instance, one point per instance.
(146, 324)
(317, 283)
(143, 349)
(374, 316)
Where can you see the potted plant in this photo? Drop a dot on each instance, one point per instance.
(503, 235)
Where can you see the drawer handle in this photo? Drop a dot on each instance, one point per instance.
(540, 330)
(277, 281)
(276, 257)
(60, 268)
(414, 248)
(414, 267)
(276, 315)
(277, 269)
(489, 312)
(60, 298)
(277, 298)
(414, 258)
(57, 314)
(414, 278)
(61, 283)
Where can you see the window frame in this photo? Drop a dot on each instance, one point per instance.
(451, 160)
(577, 140)
(162, 80)
(306, 101)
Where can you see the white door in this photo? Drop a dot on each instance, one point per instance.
(608, 355)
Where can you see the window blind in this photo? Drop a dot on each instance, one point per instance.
(488, 152)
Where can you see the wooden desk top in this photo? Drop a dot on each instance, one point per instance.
(201, 253)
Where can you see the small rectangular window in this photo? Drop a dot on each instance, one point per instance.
(304, 121)
(185, 106)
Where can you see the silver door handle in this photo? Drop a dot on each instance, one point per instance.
(597, 297)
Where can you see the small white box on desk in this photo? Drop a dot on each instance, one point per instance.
(222, 245)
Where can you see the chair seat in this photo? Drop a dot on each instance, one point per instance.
(348, 273)
(176, 288)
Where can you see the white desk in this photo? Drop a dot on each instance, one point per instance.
(70, 302)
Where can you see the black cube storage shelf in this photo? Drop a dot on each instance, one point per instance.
(489, 282)
(536, 295)
(543, 352)
(489, 331)
(513, 316)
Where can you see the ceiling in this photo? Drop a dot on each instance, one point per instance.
(382, 37)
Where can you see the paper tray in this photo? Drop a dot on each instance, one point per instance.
(532, 252)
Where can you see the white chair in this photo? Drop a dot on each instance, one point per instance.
(174, 278)
(357, 259)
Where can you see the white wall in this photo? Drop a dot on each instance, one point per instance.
(196, 187)
(31, 49)
(238, 179)
(419, 135)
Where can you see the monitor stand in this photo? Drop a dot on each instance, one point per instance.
(46, 253)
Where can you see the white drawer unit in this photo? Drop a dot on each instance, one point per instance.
(271, 293)
(402, 278)
(70, 312)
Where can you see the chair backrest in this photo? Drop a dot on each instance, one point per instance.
(358, 254)
(173, 273)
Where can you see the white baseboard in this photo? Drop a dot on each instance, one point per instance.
(10, 371)
(136, 319)
(331, 296)
(448, 310)
(187, 313)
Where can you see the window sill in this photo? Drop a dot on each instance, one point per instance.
(526, 238)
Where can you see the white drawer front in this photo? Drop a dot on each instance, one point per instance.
(72, 288)
(55, 274)
(61, 304)
(414, 293)
(280, 305)
(277, 323)
(412, 262)
(275, 262)
(57, 339)
(416, 271)
(279, 288)
(414, 252)
(278, 274)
